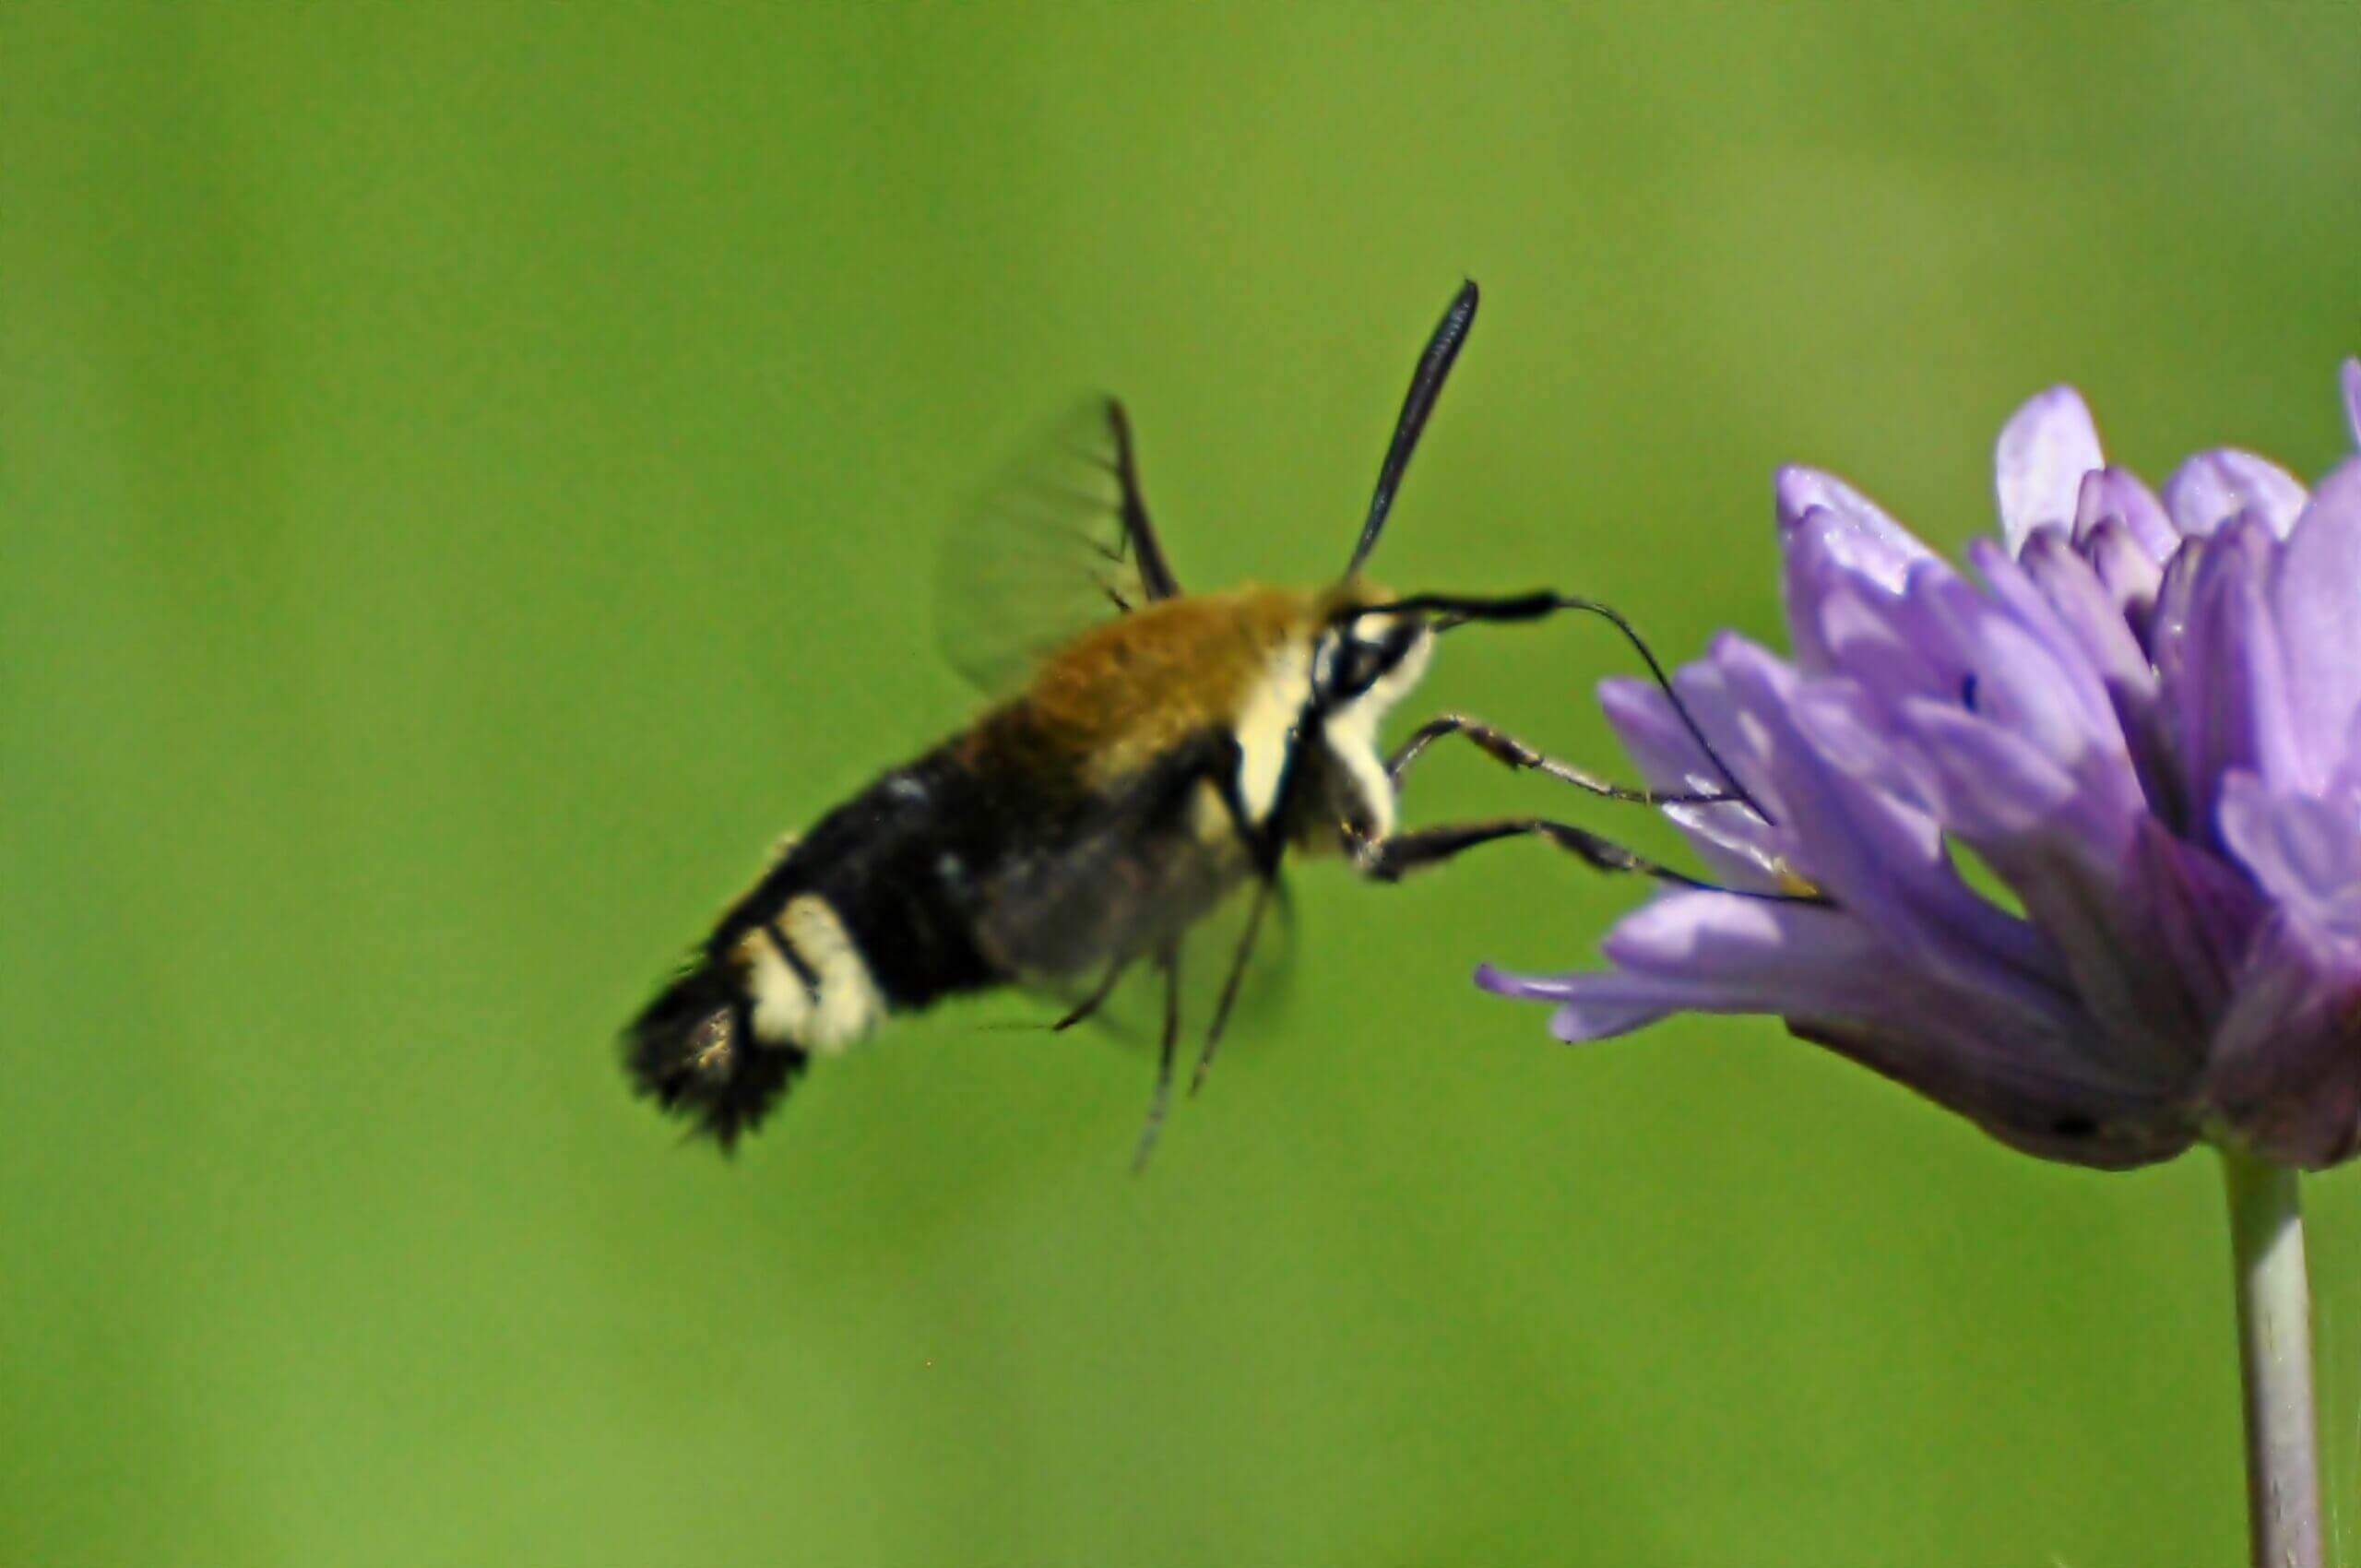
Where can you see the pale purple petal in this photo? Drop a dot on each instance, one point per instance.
(2038, 466)
(2286, 1068)
(2315, 597)
(2117, 493)
(1817, 564)
(1708, 952)
(2214, 487)
(2109, 911)
(2103, 629)
(2226, 696)
(2204, 910)
(2035, 1113)
(1983, 780)
(2093, 618)
(1739, 848)
(2305, 851)
(2030, 678)
(2130, 574)
(1854, 732)
(1887, 644)
(2352, 379)
(1860, 534)
(2168, 617)
(1833, 541)
(1721, 953)
(1874, 855)
(2071, 669)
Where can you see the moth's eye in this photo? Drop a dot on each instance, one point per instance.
(1360, 665)
(1353, 669)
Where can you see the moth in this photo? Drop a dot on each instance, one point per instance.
(1160, 755)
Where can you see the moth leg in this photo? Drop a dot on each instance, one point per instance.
(1511, 752)
(1267, 842)
(1392, 858)
(1168, 963)
(1089, 1006)
(1263, 887)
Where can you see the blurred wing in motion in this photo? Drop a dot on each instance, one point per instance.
(1135, 924)
(1060, 542)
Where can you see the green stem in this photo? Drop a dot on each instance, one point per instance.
(2275, 1356)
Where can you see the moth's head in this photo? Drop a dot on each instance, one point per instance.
(1367, 654)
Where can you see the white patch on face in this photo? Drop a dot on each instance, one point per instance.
(841, 1005)
(1351, 732)
(1271, 710)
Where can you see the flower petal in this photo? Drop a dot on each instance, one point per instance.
(1890, 646)
(1725, 953)
(2117, 493)
(2316, 596)
(2286, 1076)
(2352, 379)
(2225, 691)
(1859, 533)
(2130, 573)
(1832, 540)
(2043, 451)
(2212, 487)
(1739, 848)
(2202, 910)
(2305, 851)
(1706, 953)
(2079, 675)
(2019, 1100)
(1871, 852)
(2088, 608)
(1983, 780)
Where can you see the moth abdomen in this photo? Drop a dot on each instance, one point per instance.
(694, 1051)
(868, 915)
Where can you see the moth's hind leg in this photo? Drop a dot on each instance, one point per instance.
(1087, 1008)
(1167, 964)
(1513, 754)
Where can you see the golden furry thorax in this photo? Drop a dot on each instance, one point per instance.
(1128, 689)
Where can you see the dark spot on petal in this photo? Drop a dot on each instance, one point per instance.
(1967, 694)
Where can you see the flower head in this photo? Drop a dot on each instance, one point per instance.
(2142, 714)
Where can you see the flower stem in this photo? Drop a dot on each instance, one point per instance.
(2275, 1356)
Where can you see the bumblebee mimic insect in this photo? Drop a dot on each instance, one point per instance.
(1150, 763)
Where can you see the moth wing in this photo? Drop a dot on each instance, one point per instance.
(1131, 1010)
(1086, 921)
(1061, 541)
(1210, 948)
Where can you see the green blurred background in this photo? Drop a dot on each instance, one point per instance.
(470, 474)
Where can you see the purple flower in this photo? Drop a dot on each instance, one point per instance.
(2141, 715)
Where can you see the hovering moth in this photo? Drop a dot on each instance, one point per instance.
(1160, 753)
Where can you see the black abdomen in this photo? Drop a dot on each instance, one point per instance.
(902, 865)
(876, 909)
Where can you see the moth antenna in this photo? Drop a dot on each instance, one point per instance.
(1426, 383)
(1452, 609)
